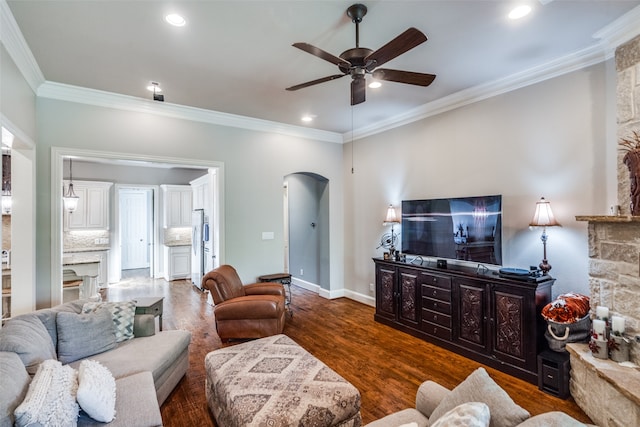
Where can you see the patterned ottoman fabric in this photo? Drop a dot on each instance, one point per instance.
(273, 382)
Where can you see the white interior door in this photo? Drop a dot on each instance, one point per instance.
(134, 226)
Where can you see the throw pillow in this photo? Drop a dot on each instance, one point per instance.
(51, 398)
(479, 387)
(473, 414)
(82, 335)
(409, 425)
(96, 391)
(122, 314)
(15, 383)
(26, 336)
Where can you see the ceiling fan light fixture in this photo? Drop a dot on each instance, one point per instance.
(154, 87)
(307, 118)
(175, 20)
(520, 11)
(375, 84)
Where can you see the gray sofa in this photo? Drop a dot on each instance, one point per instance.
(146, 367)
(433, 402)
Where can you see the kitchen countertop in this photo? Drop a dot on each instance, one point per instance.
(77, 250)
(174, 244)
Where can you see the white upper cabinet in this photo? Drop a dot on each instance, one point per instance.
(177, 205)
(92, 212)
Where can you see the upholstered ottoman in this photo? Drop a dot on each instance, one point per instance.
(274, 382)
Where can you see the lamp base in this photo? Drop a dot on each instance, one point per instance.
(545, 267)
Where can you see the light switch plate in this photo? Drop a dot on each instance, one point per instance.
(268, 235)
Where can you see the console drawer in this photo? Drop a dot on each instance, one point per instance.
(433, 280)
(436, 305)
(436, 293)
(437, 330)
(437, 318)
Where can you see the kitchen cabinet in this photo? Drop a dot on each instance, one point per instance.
(488, 318)
(92, 212)
(177, 205)
(177, 261)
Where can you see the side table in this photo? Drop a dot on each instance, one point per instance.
(285, 279)
(150, 305)
(553, 373)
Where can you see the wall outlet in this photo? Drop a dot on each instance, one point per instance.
(301, 272)
(96, 242)
(371, 287)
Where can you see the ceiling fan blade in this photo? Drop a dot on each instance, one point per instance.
(396, 47)
(358, 90)
(315, 51)
(408, 77)
(315, 82)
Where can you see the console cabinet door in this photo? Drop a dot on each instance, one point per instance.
(385, 291)
(408, 297)
(511, 325)
(472, 326)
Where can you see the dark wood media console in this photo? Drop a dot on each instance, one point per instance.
(488, 318)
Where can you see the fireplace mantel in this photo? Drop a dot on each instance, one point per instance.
(608, 218)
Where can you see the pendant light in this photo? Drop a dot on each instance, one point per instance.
(70, 199)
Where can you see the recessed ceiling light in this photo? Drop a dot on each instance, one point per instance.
(375, 84)
(175, 20)
(308, 117)
(520, 12)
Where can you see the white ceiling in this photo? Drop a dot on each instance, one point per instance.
(236, 56)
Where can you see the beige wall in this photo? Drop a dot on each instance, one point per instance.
(17, 100)
(548, 139)
(255, 165)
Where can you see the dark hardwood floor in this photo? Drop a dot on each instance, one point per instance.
(386, 365)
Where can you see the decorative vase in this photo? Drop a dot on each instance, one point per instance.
(632, 160)
(599, 348)
(619, 348)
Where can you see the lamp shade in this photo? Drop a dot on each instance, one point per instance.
(391, 217)
(543, 217)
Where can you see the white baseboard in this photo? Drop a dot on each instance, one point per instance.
(337, 293)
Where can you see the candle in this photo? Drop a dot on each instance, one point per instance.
(602, 312)
(599, 328)
(617, 324)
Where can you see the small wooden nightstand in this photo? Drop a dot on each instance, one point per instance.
(150, 305)
(553, 373)
(285, 279)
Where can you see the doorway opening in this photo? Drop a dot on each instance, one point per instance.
(136, 224)
(307, 239)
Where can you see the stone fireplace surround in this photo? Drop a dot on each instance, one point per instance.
(607, 392)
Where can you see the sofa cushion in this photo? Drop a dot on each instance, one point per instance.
(136, 404)
(82, 335)
(26, 336)
(479, 387)
(156, 353)
(15, 383)
(122, 314)
(552, 419)
(472, 414)
(48, 316)
(51, 398)
(401, 417)
(96, 391)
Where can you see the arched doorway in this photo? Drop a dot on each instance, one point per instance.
(307, 229)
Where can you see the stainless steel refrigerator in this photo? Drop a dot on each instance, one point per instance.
(199, 235)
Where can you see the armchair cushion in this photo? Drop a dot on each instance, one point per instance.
(248, 307)
(264, 288)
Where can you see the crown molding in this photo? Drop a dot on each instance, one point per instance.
(18, 49)
(620, 31)
(22, 140)
(576, 61)
(64, 92)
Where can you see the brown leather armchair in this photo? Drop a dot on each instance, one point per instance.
(251, 311)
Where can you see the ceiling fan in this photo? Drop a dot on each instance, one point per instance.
(360, 61)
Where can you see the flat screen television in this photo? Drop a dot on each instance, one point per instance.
(461, 228)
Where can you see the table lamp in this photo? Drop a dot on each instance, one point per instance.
(391, 218)
(543, 217)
